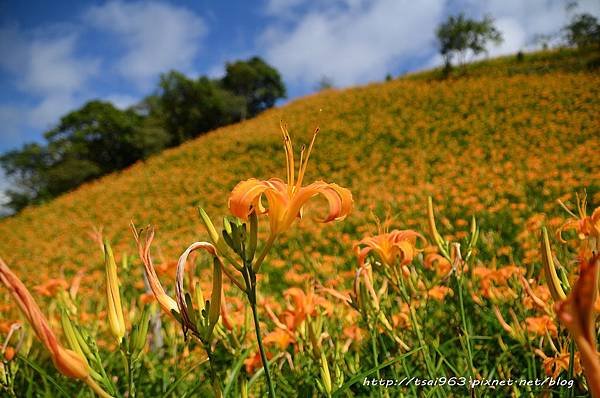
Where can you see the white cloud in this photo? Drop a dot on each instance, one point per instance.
(49, 110)
(44, 65)
(52, 67)
(513, 35)
(45, 68)
(157, 37)
(521, 21)
(352, 41)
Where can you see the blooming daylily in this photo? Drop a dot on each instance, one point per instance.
(68, 362)
(389, 246)
(586, 227)
(285, 200)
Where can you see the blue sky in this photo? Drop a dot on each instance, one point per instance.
(56, 55)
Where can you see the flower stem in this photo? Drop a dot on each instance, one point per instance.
(213, 374)
(375, 357)
(263, 254)
(250, 279)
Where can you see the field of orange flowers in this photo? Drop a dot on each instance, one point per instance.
(418, 263)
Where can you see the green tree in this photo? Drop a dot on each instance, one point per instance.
(257, 82)
(189, 107)
(91, 141)
(459, 34)
(26, 167)
(583, 31)
(100, 133)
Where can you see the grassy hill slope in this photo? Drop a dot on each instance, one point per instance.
(502, 141)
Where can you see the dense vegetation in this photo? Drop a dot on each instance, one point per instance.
(499, 140)
(98, 138)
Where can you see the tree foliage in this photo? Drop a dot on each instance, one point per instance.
(190, 107)
(98, 138)
(583, 31)
(258, 83)
(458, 35)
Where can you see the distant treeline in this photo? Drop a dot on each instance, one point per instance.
(98, 138)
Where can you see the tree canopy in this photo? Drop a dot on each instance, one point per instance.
(99, 138)
(258, 83)
(583, 31)
(459, 34)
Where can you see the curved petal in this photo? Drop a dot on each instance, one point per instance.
(407, 235)
(338, 198)
(340, 202)
(180, 295)
(246, 196)
(164, 300)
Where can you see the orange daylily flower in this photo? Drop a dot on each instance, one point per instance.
(539, 325)
(68, 362)
(577, 314)
(301, 306)
(438, 262)
(279, 338)
(584, 226)
(254, 362)
(399, 244)
(554, 366)
(285, 200)
(439, 292)
(51, 287)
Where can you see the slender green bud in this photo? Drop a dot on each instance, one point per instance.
(142, 331)
(251, 248)
(70, 335)
(215, 298)
(325, 375)
(552, 279)
(114, 307)
(199, 297)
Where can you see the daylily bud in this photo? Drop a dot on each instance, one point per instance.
(138, 341)
(432, 228)
(325, 375)
(114, 307)
(70, 335)
(199, 297)
(215, 237)
(552, 280)
(251, 248)
(215, 297)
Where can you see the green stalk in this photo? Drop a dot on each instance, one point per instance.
(263, 254)
(416, 328)
(465, 329)
(375, 359)
(250, 279)
(213, 374)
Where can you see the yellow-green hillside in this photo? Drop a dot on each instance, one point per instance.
(503, 142)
